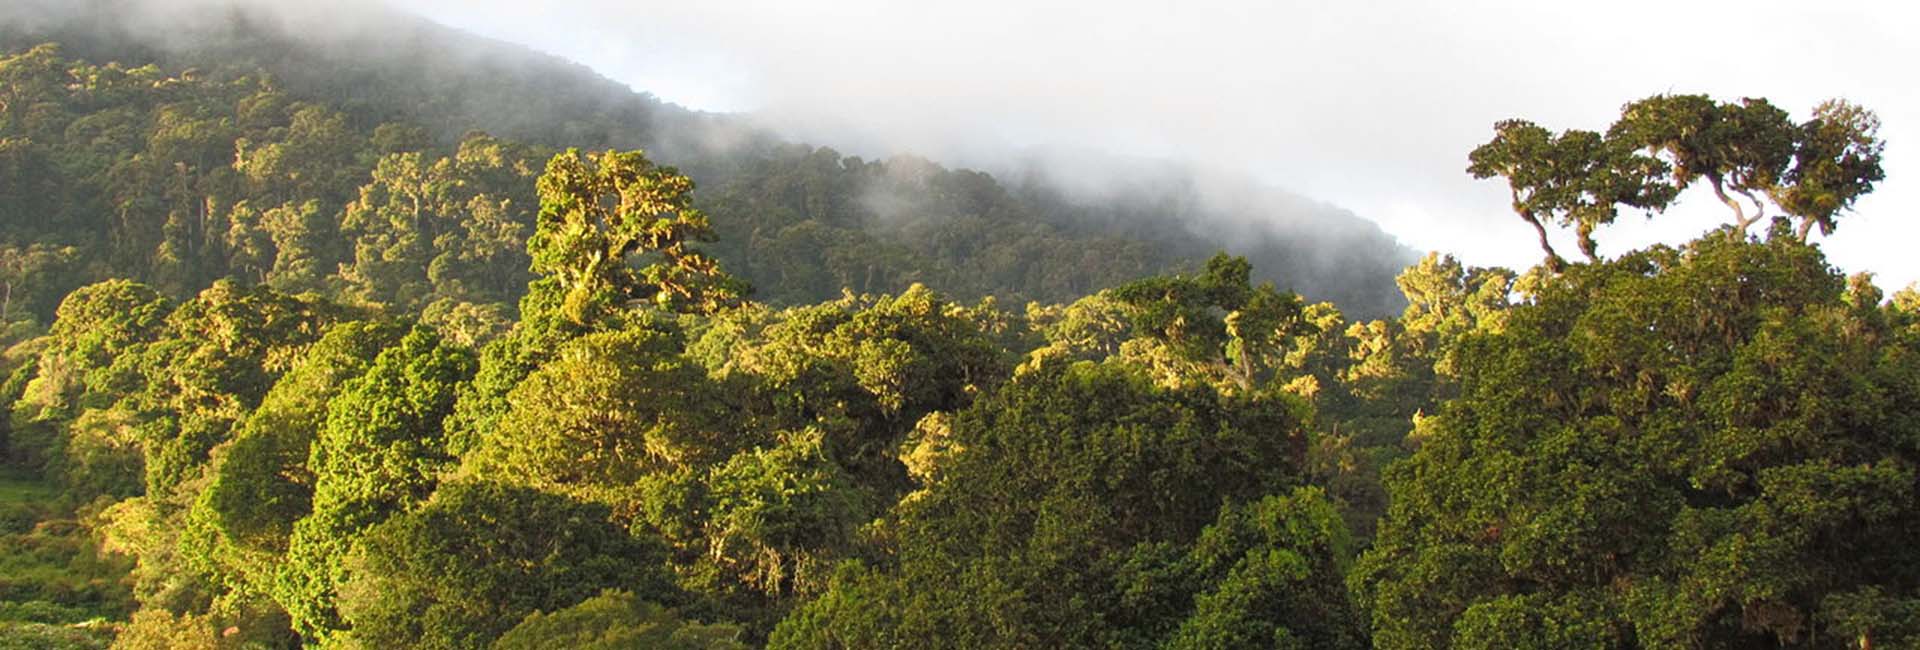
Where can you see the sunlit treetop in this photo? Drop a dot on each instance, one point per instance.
(1811, 171)
(598, 212)
(1837, 162)
(1741, 148)
(1574, 178)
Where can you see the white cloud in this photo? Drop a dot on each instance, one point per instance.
(1369, 105)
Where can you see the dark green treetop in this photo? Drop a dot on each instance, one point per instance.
(1715, 445)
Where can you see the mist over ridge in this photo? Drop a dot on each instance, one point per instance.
(381, 64)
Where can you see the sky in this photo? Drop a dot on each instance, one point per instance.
(1369, 105)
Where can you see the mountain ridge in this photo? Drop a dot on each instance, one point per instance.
(383, 65)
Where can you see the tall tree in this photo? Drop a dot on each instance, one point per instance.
(380, 453)
(1837, 162)
(1706, 447)
(1740, 148)
(1812, 170)
(1574, 178)
(596, 213)
(1215, 325)
(262, 484)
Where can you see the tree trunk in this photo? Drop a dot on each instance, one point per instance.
(1759, 208)
(1554, 263)
(1740, 221)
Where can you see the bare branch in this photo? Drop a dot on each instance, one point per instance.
(1740, 221)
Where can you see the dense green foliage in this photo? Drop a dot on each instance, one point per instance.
(617, 621)
(1112, 540)
(467, 566)
(284, 474)
(1715, 443)
(316, 376)
(56, 591)
(379, 454)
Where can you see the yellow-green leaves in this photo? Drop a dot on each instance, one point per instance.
(597, 214)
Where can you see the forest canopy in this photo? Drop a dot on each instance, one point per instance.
(282, 372)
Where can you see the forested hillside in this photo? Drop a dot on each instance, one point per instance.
(290, 364)
(797, 221)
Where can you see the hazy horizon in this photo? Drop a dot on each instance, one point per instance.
(1370, 108)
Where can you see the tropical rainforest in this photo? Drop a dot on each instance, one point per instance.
(308, 350)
